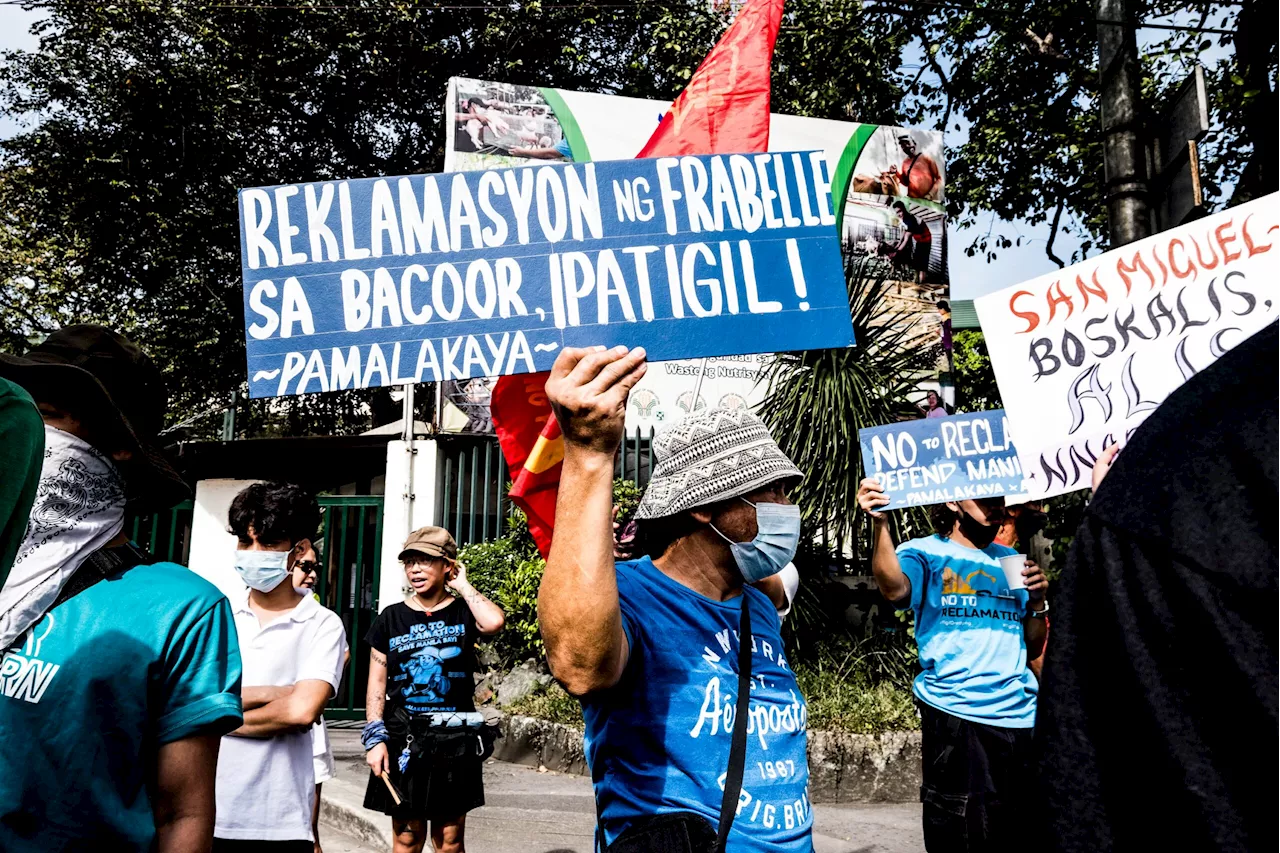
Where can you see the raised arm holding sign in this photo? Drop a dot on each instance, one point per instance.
(384, 281)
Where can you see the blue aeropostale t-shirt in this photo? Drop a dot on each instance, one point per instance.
(969, 630)
(89, 694)
(658, 741)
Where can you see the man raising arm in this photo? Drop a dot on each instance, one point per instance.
(578, 599)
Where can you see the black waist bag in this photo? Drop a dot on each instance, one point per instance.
(688, 832)
(441, 741)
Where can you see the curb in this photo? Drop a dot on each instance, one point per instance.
(843, 768)
(341, 809)
(541, 743)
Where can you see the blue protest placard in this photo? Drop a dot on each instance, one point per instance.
(936, 460)
(383, 281)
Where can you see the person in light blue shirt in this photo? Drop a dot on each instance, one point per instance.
(977, 698)
(651, 646)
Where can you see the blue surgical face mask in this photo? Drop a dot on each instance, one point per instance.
(777, 537)
(262, 570)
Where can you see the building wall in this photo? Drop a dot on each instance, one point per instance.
(212, 547)
(396, 522)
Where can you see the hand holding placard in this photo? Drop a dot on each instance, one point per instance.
(588, 391)
(424, 278)
(871, 498)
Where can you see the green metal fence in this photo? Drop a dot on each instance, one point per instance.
(351, 547)
(166, 534)
(635, 457)
(473, 494)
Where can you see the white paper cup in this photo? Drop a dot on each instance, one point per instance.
(1013, 566)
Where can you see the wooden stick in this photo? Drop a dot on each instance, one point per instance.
(395, 795)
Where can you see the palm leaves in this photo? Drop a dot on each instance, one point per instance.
(818, 400)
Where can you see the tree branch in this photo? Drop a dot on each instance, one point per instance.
(1053, 233)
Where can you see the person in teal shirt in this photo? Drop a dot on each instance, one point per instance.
(112, 701)
(21, 450)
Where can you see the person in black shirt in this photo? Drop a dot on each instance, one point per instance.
(1157, 720)
(423, 737)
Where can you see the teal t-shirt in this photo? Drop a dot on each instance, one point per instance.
(21, 455)
(90, 693)
(969, 630)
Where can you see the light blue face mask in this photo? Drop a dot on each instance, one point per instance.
(777, 537)
(262, 570)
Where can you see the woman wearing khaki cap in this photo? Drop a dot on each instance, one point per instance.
(424, 741)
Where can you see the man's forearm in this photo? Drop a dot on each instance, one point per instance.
(1034, 631)
(256, 697)
(891, 581)
(578, 597)
(288, 714)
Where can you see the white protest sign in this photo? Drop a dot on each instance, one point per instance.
(1084, 355)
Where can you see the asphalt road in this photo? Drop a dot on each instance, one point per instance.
(528, 811)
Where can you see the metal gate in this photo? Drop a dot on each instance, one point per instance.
(350, 549)
(473, 494)
(165, 534)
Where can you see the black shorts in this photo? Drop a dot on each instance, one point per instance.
(444, 779)
(920, 251)
(226, 845)
(977, 790)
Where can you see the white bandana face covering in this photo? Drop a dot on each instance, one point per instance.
(79, 507)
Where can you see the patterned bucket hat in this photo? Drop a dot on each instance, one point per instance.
(710, 456)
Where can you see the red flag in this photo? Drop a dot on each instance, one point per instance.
(725, 107)
(534, 449)
(723, 110)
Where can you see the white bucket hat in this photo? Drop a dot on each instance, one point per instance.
(711, 456)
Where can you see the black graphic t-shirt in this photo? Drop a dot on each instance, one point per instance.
(430, 657)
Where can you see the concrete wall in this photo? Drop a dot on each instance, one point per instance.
(395, 522)
(212, 547)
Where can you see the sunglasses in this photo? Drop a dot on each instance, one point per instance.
(307, 566)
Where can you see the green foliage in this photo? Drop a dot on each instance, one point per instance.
(626, 495)
(509, 575)
(1020, 79)
(509, 569)
(551, 704)
(118, 204)
(974, 378)
(862, 686)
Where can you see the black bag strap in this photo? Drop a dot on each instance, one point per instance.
(738, 743)
(99, 565)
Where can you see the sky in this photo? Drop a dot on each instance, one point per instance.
(970, 277)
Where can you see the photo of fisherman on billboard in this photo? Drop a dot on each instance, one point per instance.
(502, 124)
(903, 163)
(905, 239)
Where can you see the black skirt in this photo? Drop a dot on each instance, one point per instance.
(444, 778)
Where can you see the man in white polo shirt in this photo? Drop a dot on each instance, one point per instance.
(292, 651)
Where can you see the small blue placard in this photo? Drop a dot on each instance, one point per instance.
(384, 281)
(936, 460)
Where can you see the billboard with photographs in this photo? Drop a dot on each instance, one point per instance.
(888, 189)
